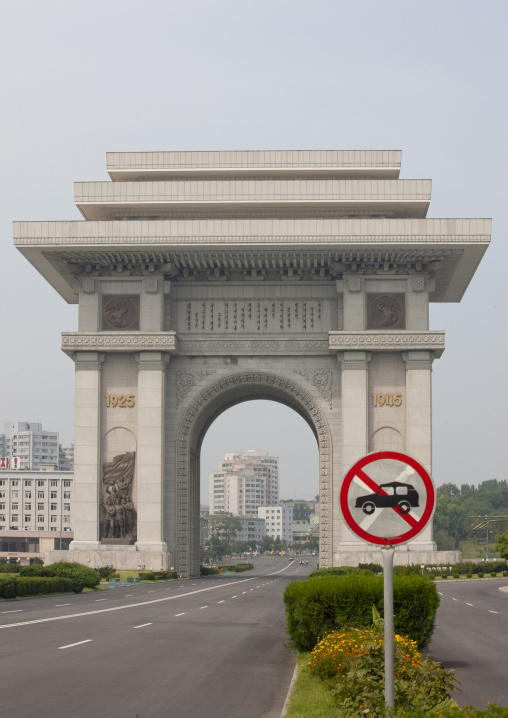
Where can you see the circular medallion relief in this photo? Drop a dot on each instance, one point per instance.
(120, 312)
(386, 311)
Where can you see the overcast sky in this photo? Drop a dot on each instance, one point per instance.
(429, 78)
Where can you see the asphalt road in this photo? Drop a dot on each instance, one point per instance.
(212, 646)
(471, 637)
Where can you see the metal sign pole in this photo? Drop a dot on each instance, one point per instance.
(387, 553)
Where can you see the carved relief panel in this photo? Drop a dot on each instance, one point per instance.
(120, 312)
(386, 311)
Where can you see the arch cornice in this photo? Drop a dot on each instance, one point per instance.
(200, 414)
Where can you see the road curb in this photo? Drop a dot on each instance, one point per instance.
(285, 707)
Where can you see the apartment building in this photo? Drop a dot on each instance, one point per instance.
(278, 521)
(244, 481)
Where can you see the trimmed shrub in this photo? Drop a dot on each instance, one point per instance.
(81, 576)
(33, 585)
(456, 575)
(318, 606)
(493, 574)
(8, 586)
(505, 574)
(480, 575)
(105, 571)
(208, 570)
(374, 567)
(236, 567)
(469, 575)
(338, 571)
(10, 568)
(147, 575)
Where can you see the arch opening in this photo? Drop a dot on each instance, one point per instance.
(200, 415)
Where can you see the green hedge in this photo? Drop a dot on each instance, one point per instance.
(208, 570)
(12, 586)
(81, 576)
(237, 567)
(338, 571)
(157, 575)
(318, 606)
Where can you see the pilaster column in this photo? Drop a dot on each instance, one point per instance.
(150, 450)
(419, 423)
(87, 449)
(355, 387)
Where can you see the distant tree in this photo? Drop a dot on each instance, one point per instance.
(502, 544)
(225, 527)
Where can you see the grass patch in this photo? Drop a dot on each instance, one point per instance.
(310, 698)
(128, 574)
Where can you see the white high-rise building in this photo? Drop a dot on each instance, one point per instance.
(32, 444)
(278, 521)
(244, 481)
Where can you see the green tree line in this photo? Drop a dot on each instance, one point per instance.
(455, 506)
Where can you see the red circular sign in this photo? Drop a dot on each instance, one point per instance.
(387, 498)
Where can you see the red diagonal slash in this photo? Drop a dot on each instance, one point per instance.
(375, 488)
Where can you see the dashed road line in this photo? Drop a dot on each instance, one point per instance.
(71, 645)
(58, 605)
(454, 599)
(17, 610)
(100, 599)
(179, 614)
(493, 611)
(220, 601)
(201, 608)
(143, 625)
(469, 604)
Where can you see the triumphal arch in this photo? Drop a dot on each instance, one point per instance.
(205, 279)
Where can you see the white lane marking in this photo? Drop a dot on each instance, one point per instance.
(203, 607)
(233, 596)
(493, 611)
(100, 599)
(151, 591)
(128, 595)
(143, 625)
(469, 604)
(440, 593)
(71, 645)
(179, 614)
(257, 586)
(251, 589)
(57, 605)
(220, 601)
(122, 608)
(454, 599)
(243, 592)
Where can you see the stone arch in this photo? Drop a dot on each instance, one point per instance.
(205, 408)
(386, 438)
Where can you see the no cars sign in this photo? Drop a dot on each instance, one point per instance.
(387, 498)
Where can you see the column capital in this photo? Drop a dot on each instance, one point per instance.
(151, 361)
(418, 359)
(354, 360)
(88, 361)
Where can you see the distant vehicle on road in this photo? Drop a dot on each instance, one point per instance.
(391, 495)
(291, 558)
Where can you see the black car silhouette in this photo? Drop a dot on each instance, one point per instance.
(392, 495)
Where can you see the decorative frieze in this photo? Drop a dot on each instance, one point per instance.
(119, 342)
(320, 379)
(88, 286)
(251, 347)
(186, 380)
(388, 341)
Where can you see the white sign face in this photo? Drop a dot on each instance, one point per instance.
(387, 498)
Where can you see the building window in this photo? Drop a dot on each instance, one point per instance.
(40, 482)
(40, 494)
(53, 507)
(54, 494)
(2, 518)
(67, 519)
(28, 519)
(53, 519)
(2, 494)
(40, 519)
(2, 482)
(67, 507)
(14, 507)
(40, 507)
(28, 482)
(53, 528)
(28, 494)
(53, 482)
(14, 482)
(67, 482)
(14, 518)
(14, 495)
(28, 507)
